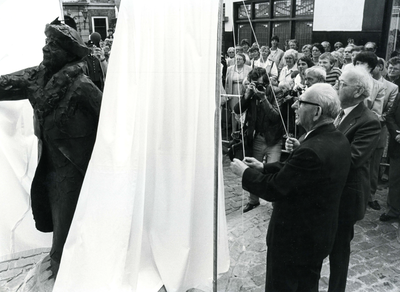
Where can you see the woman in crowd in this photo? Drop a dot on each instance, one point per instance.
(299, 82)
(306, 50)
(339, 59)
(235, 75)
(268, 65)
(288, 73)
(317, 51)
(276, 54)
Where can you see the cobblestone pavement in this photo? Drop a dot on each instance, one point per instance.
(374, 263)
(375, 256)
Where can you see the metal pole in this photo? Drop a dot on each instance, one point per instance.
(217, 121)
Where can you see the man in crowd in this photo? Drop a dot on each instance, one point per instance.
(391, 91)
(314, 75)
(66, 107)
(327, 61)
(394, 70)
(370, 47)
(375, 102)
(245, 45)
(393, 200)
(96, 65)
(264, 127)
(362, 128)
(254, 55)
(347, 56)
(276, 54)
(306, 193)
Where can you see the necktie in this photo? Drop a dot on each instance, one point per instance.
(339, 118)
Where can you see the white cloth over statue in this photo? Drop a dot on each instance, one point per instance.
(145, 213)
(21, 48)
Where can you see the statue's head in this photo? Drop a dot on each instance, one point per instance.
(63, 45)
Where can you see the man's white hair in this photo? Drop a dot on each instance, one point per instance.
(317, 71)
(326, 97)
(362, 78)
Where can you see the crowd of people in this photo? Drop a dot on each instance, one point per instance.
(337, 115)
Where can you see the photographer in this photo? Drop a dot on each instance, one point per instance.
(96, 65)
(263, 125)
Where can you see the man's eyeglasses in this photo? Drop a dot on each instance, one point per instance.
(299, 101)
(307, 102)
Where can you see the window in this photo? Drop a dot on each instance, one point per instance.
(288, 19)
(261, 10)
(243, 11)
(304, 7)
(100, 26)
(282, 8)
(393, 46)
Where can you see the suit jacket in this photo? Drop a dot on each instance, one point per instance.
(362, 128)
(306, 190)
(376, 98)
(391, 91)
(393, 125)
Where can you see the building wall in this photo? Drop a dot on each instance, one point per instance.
(95, 9)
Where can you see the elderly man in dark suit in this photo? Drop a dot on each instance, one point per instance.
(393, 200)
(362, 128)
(306, 190)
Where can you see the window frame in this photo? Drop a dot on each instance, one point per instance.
(292, 19)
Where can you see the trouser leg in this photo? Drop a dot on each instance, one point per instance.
(374, 172)
(339, 257)
(287, 277)
(394, 187)
(259, 151)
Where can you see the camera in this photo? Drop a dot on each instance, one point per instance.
(259, 86)
(296, 91)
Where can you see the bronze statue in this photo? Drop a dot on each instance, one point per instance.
(66, 107)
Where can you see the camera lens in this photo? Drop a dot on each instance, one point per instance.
(260, 87)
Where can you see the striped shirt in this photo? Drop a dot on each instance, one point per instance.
(333, 75)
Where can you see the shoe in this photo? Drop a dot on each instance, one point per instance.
(374, 205)
(385, 217)
(250, 207)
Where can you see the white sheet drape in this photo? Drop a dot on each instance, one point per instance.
(23, 38)
(145, 214)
